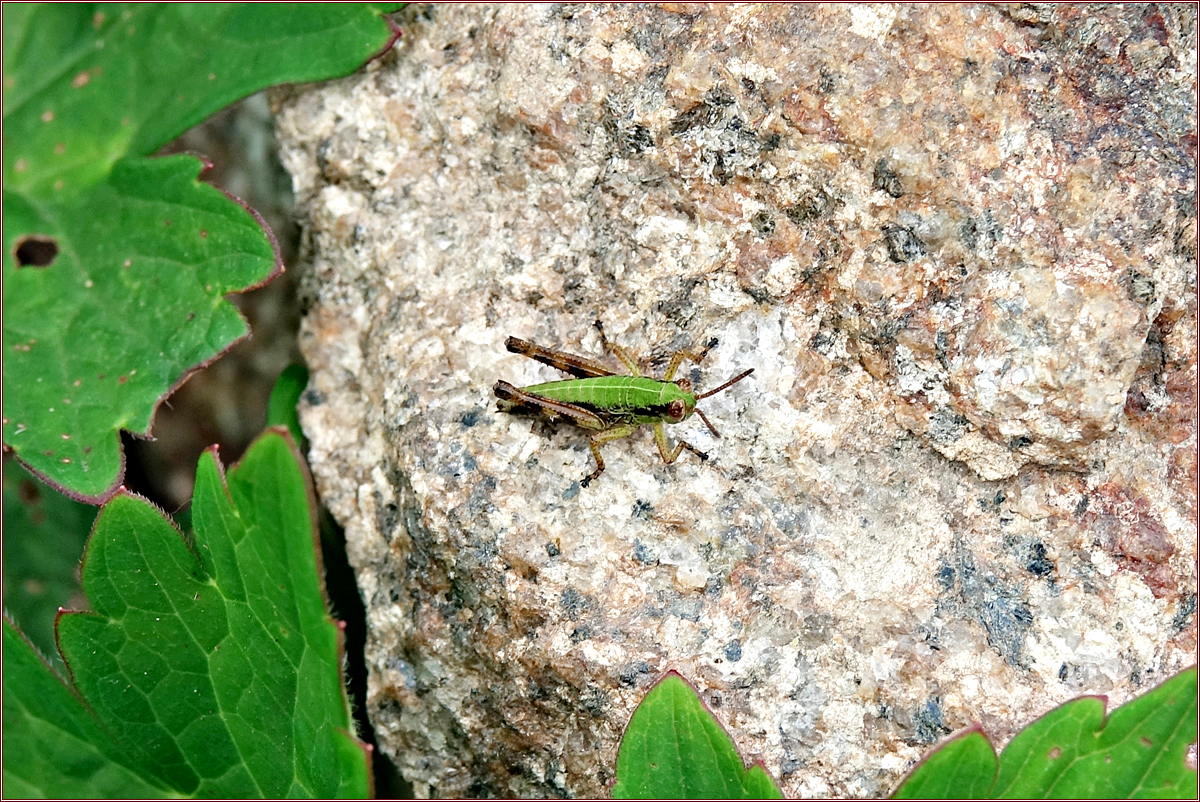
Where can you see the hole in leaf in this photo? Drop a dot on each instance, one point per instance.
(36, 251)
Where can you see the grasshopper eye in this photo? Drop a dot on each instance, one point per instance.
(676, 410)
(684, 384)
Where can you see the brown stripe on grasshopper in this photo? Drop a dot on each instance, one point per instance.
(567, 363)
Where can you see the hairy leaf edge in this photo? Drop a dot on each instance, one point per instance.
(213, 451)
(103, 497)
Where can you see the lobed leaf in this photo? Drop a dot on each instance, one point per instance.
(108, 80)
(44, 533)
(1073, 752)
(53, 746)
(92, 342)
(116, 267)
(1138, 753)
(211, 664)
(964, 767)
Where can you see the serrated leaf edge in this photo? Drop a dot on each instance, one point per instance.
(279, 268)
(367, 749)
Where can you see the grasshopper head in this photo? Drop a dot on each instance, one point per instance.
(683, 405)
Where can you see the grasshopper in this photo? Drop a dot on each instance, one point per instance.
(610, 405)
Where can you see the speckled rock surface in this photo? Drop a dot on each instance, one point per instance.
(956, 243)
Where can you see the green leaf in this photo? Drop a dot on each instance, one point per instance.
(285, 395)
(757, 784)
(53, 746)
(44, 533)
(1138, 753)
(93, 342)
(1074, 753)
(110, 80)
(673, 748)
(213, 663)
(964, 767)
(115, 266)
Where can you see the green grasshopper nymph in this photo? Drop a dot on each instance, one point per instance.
(610, 405)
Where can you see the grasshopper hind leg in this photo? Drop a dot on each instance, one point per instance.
(514, 399)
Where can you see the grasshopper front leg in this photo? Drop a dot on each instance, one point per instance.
(680, 355)
(668, 455)
(599, 439)
(630, 363)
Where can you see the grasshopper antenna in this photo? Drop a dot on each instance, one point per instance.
(724, 386)
(708, 423)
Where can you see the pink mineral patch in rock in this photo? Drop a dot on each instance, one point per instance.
(1136, 537)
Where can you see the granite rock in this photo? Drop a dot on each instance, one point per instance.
(955, 242)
